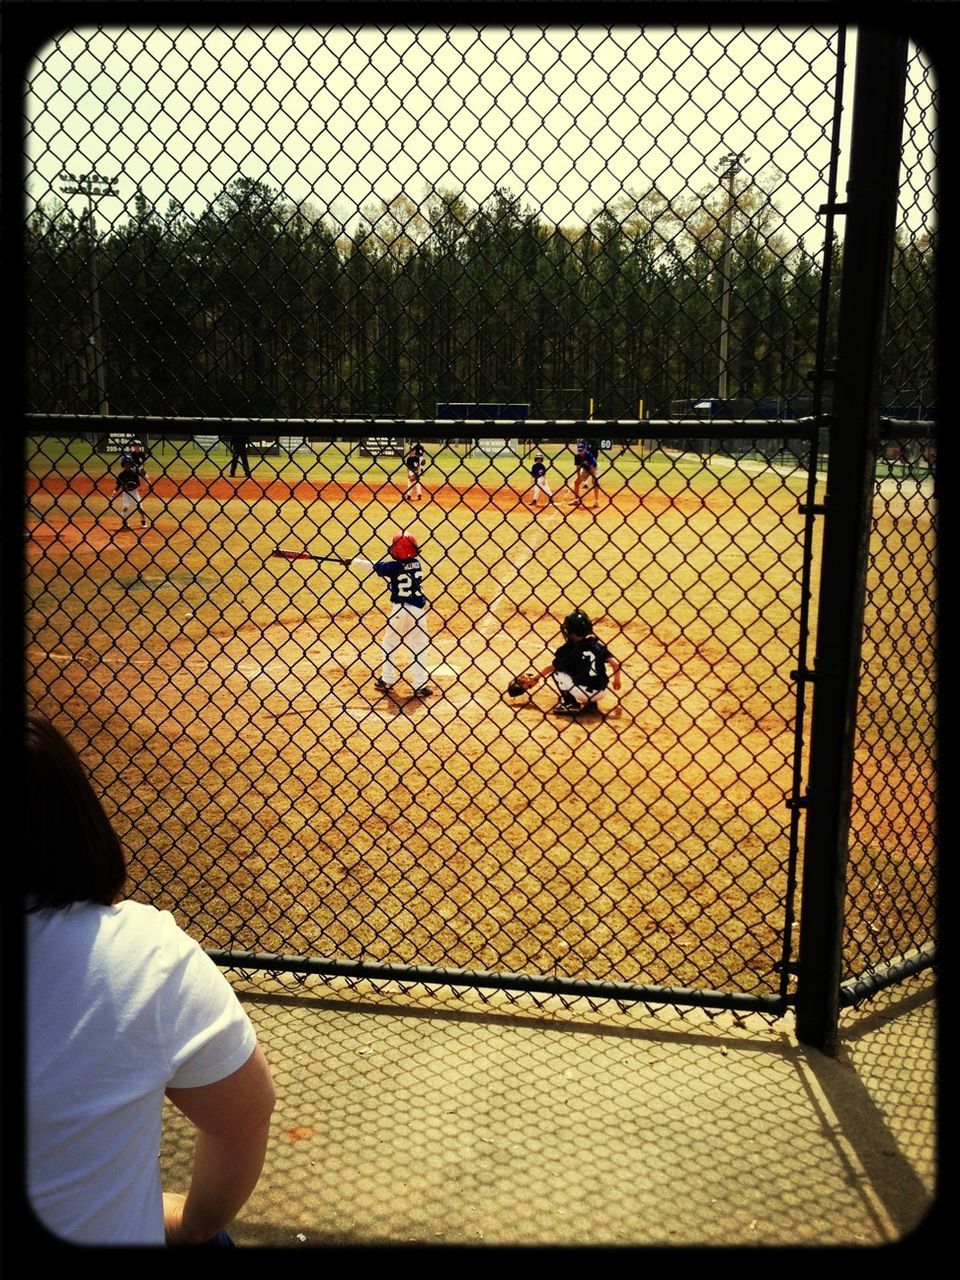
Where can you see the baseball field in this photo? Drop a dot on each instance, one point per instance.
(276, 803)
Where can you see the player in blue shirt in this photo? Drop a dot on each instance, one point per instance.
(132, 472)
(538, 473)
(579, 667)
(406, 620)
(585, 462)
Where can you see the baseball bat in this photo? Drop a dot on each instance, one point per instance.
(304, 555)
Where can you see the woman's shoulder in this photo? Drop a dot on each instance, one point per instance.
(137, 929)
(146, 921)
(124, 941)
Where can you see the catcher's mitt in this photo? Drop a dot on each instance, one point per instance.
(520, 684)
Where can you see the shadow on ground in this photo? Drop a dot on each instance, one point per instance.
(410, 1117)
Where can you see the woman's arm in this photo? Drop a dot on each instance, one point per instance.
(233, 1119)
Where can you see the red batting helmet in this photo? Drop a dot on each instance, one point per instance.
(403, 547)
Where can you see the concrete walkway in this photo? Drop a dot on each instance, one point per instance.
(406, 1117)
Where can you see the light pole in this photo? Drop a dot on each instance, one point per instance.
(729, 166)
(93, 187)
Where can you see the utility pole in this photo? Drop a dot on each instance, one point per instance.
(93, 187)
(729, 166)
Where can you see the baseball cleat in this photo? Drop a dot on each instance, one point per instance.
(423, 692)
(564, 709)
(382, 686)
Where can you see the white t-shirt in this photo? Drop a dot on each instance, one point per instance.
(120, 1004)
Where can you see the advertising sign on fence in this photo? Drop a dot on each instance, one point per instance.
(381, 447)
(490, 448)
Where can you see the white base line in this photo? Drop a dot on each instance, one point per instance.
(112, 660)
(106, 659)
(242, 670)
(516, 565)
(359, 714)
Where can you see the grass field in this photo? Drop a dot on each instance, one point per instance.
(271, 799)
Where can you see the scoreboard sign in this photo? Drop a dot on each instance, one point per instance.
(121, 442)
(474, 412)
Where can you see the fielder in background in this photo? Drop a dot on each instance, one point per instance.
(585, 461)
(579, 667)
(406, 621)
(132, 473)
(538, 473)
(415, 461)
(237, 444)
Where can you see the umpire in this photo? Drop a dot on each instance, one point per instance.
(237, 444)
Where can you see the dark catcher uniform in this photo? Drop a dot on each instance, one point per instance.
(579, 667)
(584, 662)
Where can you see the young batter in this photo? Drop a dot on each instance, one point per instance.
(406, 621)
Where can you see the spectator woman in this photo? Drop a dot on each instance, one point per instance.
(123, 1008)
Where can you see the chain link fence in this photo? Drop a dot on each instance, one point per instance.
(496, 243)
(892, 882)
(892, 885)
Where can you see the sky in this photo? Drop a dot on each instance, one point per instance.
(567, 118)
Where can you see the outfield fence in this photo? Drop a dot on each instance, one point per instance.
(493, 241)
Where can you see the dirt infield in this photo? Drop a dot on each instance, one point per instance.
(277, 804)
(448, 496)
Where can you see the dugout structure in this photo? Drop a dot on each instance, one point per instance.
(751, 824)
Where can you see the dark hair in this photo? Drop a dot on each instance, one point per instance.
(76, 855)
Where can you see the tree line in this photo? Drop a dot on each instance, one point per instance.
(256, 307)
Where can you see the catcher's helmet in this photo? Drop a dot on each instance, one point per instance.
(403, 546)
(577, 624)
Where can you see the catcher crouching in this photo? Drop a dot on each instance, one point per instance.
(579, 668)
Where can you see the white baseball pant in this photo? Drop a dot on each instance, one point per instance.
(130, 500)
(406, 625)
(564, 683)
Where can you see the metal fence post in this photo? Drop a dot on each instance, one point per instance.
(870, 209)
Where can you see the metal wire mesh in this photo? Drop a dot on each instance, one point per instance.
(892, 879)
(892, 882)
(234, 222)
(273, 797)
(346, 239)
